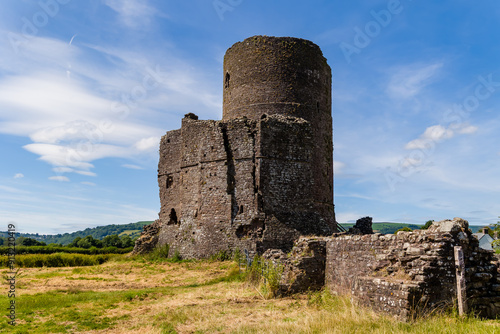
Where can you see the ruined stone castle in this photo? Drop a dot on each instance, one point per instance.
(261, 180)
(263, 175)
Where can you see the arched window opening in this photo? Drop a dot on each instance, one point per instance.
(173, 218)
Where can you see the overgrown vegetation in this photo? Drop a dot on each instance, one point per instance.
(161, 254)
(130, 295)
(55, 260)
(404, 229)
(494, 228)
(87, 246)
(21, 250)
(265, 276)
(427, 225)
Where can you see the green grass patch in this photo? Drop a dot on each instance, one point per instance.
(22, 250)
(71, 310)
(55, 260)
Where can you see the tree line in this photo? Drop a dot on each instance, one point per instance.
(125, 241)
(99, 232)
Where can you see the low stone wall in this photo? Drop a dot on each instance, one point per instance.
(303, 267)
(396, 297)
(413, 272)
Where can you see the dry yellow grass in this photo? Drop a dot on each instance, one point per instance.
(144, 297)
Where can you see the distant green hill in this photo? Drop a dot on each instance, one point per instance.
(390, 228)
(135, 229)
(387, 228)
(132, 229)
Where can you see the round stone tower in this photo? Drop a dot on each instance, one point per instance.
(288, 76)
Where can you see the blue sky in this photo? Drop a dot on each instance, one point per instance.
(88, 87)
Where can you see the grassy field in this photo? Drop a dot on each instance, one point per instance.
(133, 295)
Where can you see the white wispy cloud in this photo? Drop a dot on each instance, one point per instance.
(77, 156)
(13, 190)
(146, 144)
(63, 170)
(92, 184)
(73, 130)
(338, 167)
(131, 166)
(438, 133)
(133, 13)
(94, 114)
(19, 176)
(59, 178)
(467, 130)
(86, 173)
(431, 135)
(71, 170)
(409, 81)
(40, 105)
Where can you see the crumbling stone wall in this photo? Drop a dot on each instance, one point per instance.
(149, 238)
(263, 176)
(362, 226)
(228, 190)
(405, 275)
(413, 272)
(303, 267)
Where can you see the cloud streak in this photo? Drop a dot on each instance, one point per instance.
(408, 81)
(96, 113)
(59, 178)
(133, 13)
(438, 133)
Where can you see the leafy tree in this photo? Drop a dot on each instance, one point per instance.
(495, 227)
(427, 225)
(30, 242)
(19, 241)
(112, 241)
(127, 241)
(84, 243)
(88, 242)
(75, 241)
(405, 229)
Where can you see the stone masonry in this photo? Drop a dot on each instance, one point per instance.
(263, 175)
(414, 272)
(406, 275)
(261, 179)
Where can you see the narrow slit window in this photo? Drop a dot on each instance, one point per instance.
(170, 181)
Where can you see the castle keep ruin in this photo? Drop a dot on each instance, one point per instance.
(261, 180)
(263, 175)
